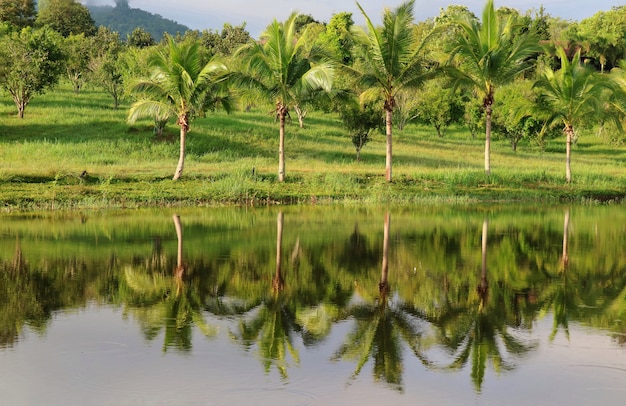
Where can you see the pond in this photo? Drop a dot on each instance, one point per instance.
(442, 305)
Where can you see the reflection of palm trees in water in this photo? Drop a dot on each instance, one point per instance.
(479, 334)
(160, 301)
(272, 324)
(379, 328)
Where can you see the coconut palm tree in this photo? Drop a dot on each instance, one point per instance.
(179, 87)
(575, 95)
(388, 61)
(490, 55)
(282, 67)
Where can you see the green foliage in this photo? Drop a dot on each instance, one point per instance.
(32, 61)
(438, 105)
(337, 39)
(227, 41)
(18, 13)
(66, 17)
(78, 50)
(105, 64)
(140, 38)
(360, 121)
(603, 37)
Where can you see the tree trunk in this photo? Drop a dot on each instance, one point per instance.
(180, 267)
(488, 139)
(483, 286)
(181, 159)
(301, 115)
(281, 144)
(569, 132)
(388, 156)
(383, 286)
(278, 282)
(565, 255)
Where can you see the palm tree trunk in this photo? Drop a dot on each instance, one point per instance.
(281, 146)
(569, 131)
(388, 163)
(180, 269)
(488, 139)
(483, 286)
(278, 282)
(383, 286)
(565, 255)
(181, 158)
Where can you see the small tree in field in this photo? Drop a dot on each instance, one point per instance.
(179, 87)
(31, 61)
(360, 121)
(575, 96)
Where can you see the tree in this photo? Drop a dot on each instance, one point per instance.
(77, 49)
(66, 17)
(282, 69)
(18, 13)
(140, 38)
(489, 56)
(336, 37)
(178, 87)
(605, 34)
(388, 61)
(105, 64)
(33, 61)
(360, 121)
(576, 95)
(438, 105)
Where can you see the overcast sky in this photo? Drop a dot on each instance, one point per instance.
(212, 14)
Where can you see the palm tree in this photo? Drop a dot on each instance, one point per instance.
(575, 95)
(388, 62)
(490, 56)
(179, 86)
(282, 67)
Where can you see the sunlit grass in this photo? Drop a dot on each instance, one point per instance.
(77, 151)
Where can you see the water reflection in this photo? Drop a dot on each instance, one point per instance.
(460, 291)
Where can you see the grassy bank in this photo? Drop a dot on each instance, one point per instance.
(76, 151)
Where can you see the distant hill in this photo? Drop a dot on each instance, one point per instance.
(124, 20)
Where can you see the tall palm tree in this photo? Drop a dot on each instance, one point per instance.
(490, 55)
(574, 95)
(388, 61)
(179, 86)
(282, 67)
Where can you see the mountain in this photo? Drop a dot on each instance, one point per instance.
(124, 20)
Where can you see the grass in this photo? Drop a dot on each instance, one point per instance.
(76, 151)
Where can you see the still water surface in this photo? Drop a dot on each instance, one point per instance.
(315, 306)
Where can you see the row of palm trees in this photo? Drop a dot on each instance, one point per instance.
(284, 66)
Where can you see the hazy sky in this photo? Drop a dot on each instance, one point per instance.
(201, 14)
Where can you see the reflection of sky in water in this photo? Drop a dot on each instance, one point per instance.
(95, 356)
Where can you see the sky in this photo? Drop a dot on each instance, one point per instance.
(257, 14)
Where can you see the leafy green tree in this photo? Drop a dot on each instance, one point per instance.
(105, 64)
(438, 105)
(490, 56)
(337, 38)
(605, 36)
(32, 61)
(66, 17)
(387, 61)
(78, 51)
(18, 13)
(140, 38)
(360, 120)
(282, 68)
(178, 87)
(574, 96)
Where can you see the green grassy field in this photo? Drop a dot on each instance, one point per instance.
(233, 159)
